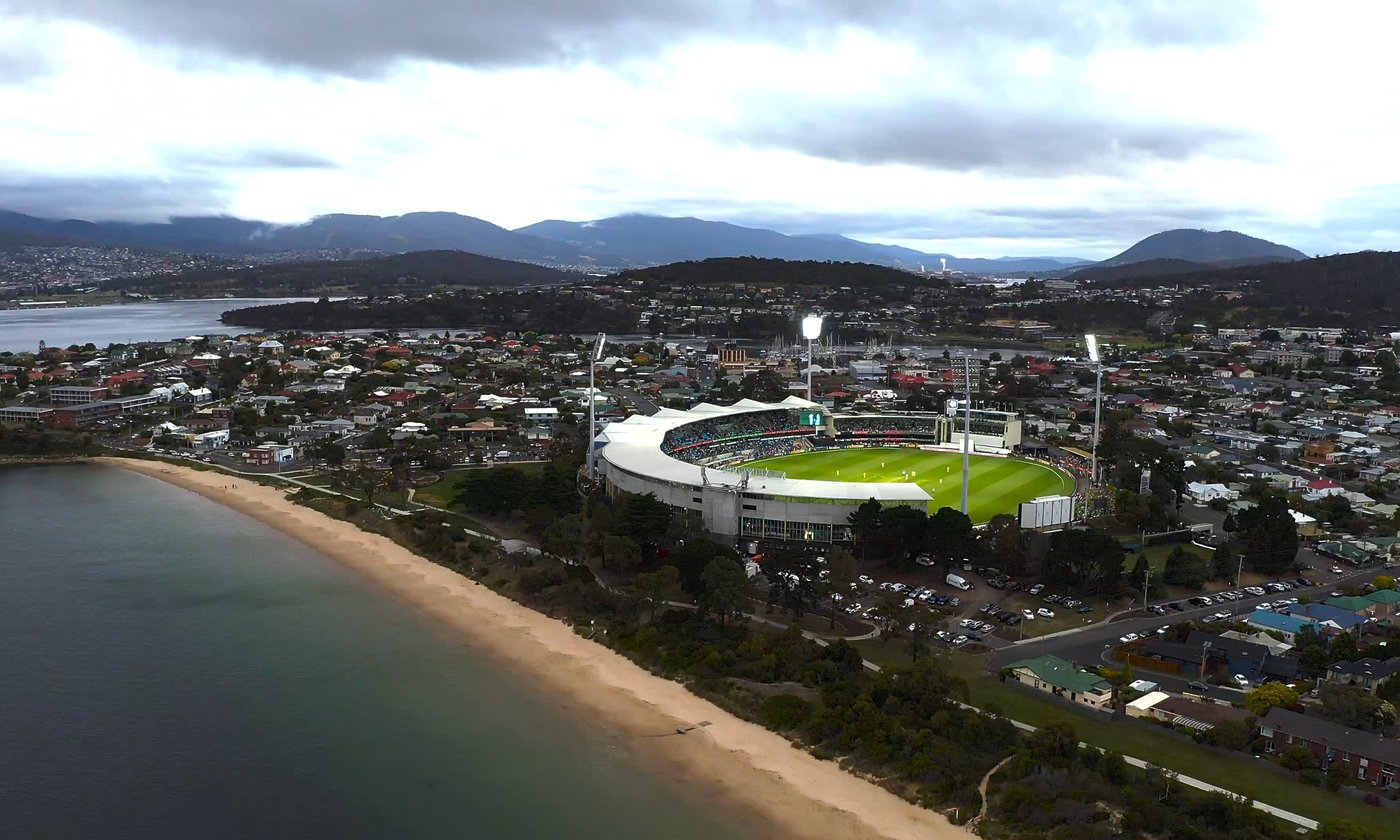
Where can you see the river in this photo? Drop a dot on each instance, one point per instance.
(23, 329)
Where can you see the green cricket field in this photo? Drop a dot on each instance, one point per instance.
(995, 485)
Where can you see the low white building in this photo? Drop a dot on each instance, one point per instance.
(1206, 493)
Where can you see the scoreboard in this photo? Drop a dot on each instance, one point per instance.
(811, 418)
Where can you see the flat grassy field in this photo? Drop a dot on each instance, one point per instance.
(997, 485)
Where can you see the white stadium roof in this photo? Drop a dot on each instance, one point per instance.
(634, 445)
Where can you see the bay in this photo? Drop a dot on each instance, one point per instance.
(172, 668)
(23, 329)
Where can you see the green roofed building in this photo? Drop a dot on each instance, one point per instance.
(1059, 677)
(1387, 601)
(1352, 603)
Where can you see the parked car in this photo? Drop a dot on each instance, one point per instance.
(867, 580)
(1028, 615)
(1131, 637)
(1044, 612)
(1175, 605)
(1241, 680)
(1037, 589)
(1197, 685)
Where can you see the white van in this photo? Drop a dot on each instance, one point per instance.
(957, 582)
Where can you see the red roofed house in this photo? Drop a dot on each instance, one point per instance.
(117, 380)
(1325, 487)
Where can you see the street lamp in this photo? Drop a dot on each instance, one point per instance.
(593, 405)
(811, 330)
(1091, 343)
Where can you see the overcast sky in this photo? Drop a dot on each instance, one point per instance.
(979, 128)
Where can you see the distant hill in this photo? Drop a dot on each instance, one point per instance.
(414, 272)
(775, 272)
(227, 235)
(658, 240)
(1105, 273)
(1204, 246)
(616, 242)
(1361, 289)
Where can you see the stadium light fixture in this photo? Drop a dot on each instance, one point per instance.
(811, 330)
(1091, 344)
(593, 406)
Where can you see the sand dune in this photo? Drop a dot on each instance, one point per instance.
(751, 772)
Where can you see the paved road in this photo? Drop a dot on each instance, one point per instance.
(1088, 646)
(640, 404)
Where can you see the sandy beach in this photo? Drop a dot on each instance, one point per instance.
(779, 790)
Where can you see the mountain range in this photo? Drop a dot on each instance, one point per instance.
(603, 245)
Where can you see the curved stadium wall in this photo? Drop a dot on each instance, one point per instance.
(686, 458)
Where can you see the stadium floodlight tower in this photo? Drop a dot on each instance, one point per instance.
(593, 406)
(1091, 344)
(967, 425)
(811, 330)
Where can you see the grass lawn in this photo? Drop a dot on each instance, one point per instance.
(1237, 772)
(1157, 554)
(997, 485)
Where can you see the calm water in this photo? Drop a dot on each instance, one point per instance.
(121, 322)
(172, 669)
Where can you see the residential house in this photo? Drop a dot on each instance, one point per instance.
(1366, 755)
(1059, 677)
(1286, 625)
(1368, 674)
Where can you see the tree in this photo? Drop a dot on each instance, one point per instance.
(764, 386)
(1054, 744)
(365, 479)
(905, 530)
(949, 534)
(564, 536)
(1222, 563)
(1267, 696)
(865, 526)
(1268, 535)
(1383, 582)
(840, 574)
(1090, 559)
(621, 551)
(1297, 758)
(664, 584)
(645, 519)
(1006, 544)
(332, 452)
(724, 589)
(1355, 707)
(695, 555)
(1185, 568)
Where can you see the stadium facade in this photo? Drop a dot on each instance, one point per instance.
(692, 461)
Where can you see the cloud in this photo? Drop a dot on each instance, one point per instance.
(360, 38)
(250, 158)
(953, 136)
(135, 199)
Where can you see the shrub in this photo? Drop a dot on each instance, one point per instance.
(785, 712)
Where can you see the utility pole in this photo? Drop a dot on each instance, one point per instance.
(1146, 577)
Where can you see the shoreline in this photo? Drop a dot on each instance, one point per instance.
(785, 791)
